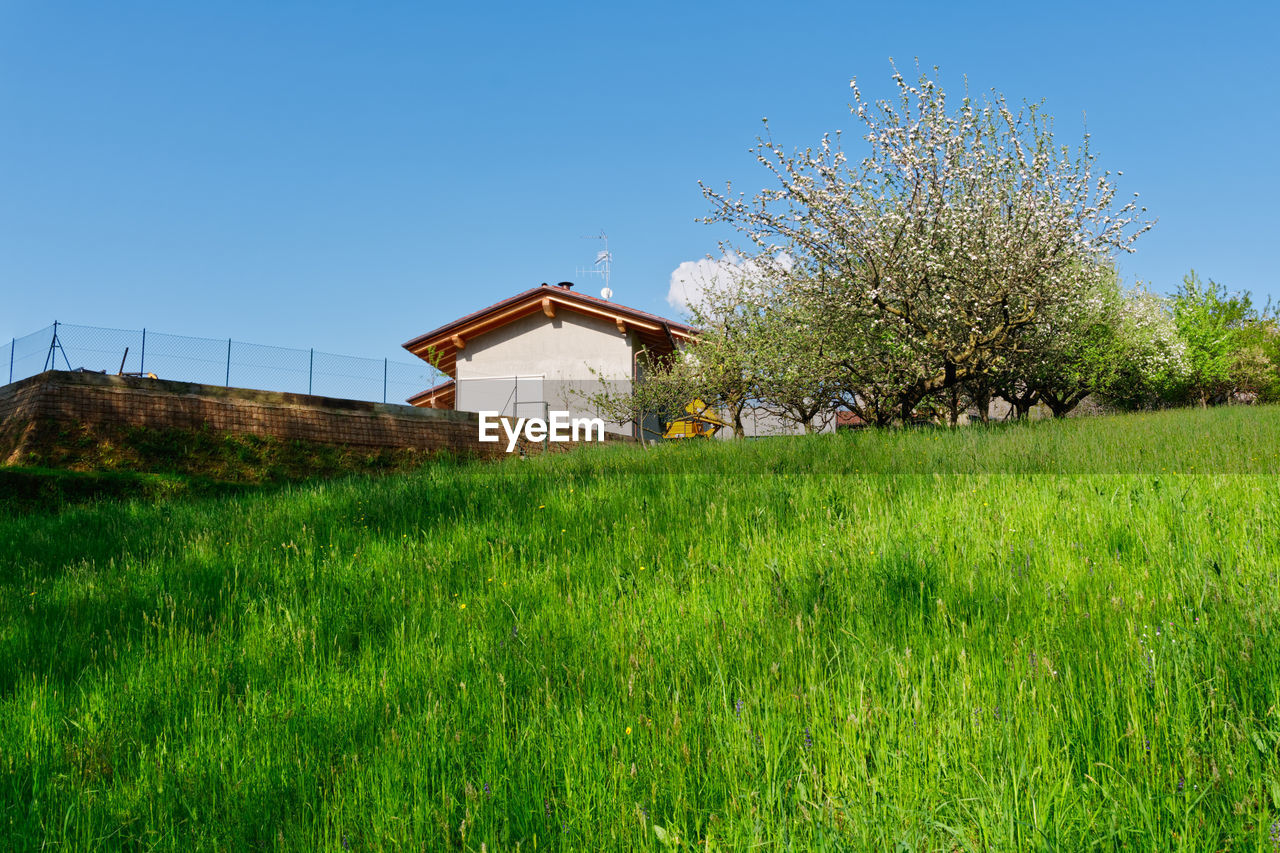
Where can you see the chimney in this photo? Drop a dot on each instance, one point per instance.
(567, 285)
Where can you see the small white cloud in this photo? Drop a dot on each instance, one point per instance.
(693, 280)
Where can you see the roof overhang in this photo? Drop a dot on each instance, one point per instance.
(441, 346)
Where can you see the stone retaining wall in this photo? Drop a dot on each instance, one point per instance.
(58, 399)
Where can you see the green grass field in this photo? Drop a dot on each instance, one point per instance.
(1056, 636)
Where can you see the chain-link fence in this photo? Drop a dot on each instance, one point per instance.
(213, 362)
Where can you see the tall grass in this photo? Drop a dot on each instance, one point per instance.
(1047, 637)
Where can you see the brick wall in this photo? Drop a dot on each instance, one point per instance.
(73, 399)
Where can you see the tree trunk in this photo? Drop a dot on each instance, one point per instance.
(908, 405)
(1062, 406)
(982, 398)
(1023, 402)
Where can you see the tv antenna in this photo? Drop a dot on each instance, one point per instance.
(603, 263)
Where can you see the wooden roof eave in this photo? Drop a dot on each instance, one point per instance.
(656, 334)
(445, 342)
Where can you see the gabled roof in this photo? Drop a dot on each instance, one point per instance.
(656, 333)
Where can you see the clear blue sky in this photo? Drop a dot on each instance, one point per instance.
(347, 176)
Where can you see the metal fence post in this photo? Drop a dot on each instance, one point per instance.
(384, 380)
(228, 383)
(311, 369)
(142, 359)
(50, 360)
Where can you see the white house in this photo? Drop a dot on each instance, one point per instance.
(544, 349)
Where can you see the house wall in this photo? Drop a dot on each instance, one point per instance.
(539, 363)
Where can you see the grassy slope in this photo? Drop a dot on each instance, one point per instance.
(1058, 636)
(200, 456)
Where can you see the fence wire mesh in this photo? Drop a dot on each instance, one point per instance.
(210, 361)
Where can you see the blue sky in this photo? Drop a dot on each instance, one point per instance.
(347, 176)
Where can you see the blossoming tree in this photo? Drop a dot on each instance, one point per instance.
(946, 243)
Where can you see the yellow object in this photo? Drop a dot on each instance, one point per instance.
(699, 422)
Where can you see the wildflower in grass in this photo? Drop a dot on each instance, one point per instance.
(1148, 661)
(628, 729)
(737, 708)
(487, 792)
(462, 606)
(808, 739)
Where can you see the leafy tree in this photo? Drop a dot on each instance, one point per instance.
(1225, 340)
(792, 377)
(727, 355)
(759, 348)
(720, 367)
(1071, 352)
(954, 236)
(665, 386)
(1270, 349)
